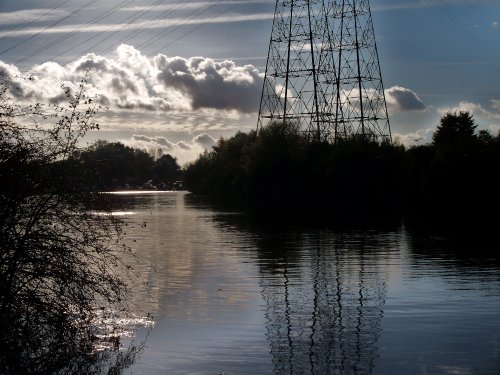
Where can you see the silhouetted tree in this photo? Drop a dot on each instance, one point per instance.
(484, 137)
(223, 172)
(116, 164)
(59, 258)
(462, 169)
(166, 169)
(455, 130)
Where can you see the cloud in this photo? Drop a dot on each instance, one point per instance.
(495, 24)
(404, 99)
(9, 71)
(419, 137)
(210, 84)
(475, 109)
(184, 151)
(204, 140)
(486, 119)
(155, 142)
(131, 81)
(495, 103)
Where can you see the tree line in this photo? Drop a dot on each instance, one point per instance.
(279, 168)
(116, 166)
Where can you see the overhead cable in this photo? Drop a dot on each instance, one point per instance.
(91, 2)
(25, 24)
(74, 31)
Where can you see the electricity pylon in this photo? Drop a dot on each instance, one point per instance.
(323, 71)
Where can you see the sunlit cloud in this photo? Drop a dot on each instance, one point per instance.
(485, 119)
(404, 99)
(184, 151)
(475, 109)
(495, 103)
(419, 137)
(210, 84)
(130, 81)
(195, 100)
(204, 140)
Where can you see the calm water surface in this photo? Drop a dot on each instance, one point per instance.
(230, 295)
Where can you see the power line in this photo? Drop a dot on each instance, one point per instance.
(164, 14)
(126, 21)
(91, 2)
(47, 11)
(168, 12)
(193, 30)
(181, 22)
(74, 31)
(177, 24)
(455, 24)
(86, 41)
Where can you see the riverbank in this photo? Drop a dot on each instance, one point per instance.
(279, 170)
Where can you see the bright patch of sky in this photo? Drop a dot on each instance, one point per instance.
(175, 72)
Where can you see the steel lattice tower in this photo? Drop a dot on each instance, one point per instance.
(323, 71)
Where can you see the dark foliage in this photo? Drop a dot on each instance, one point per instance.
(455, 131)
(59, 259)
(116, 166)
(461, 179)
(166, 169)
(279, 168)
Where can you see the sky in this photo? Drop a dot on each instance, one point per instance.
(177, 75)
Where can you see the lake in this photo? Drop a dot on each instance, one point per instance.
(242, 295)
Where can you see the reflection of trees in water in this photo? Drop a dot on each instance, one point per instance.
(324, 304)
(461, 249)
